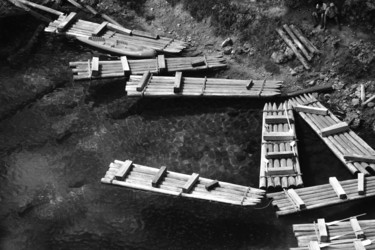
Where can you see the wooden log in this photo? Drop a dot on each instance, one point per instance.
(283, 154)
(361, 184)
(144, 81)
(99, 29)
(211, 185)
(198, 62)
(41, 7)
(124, 170)
(161, 63)
(314, 245)
(91, 9)
(291, 45)
(277, 119)
(334, 129)
(66, 22)
(363, 93)
(296, 199)
(323, 88)
(95, 66)
(144, 34)
(357, 228)
(275, 171)
(337, 188)
(297, 42)
(358, 245)
(118, 28)
(278, 136)
(322, 230)
(78, 5)
(304, 40)
(311, 110)
(110, 20)
(368, 100)
(125, 65)
(190, 183)
(159, 176)
(363, 158)
(177, 82)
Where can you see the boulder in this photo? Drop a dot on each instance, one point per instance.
(278, 57)
(227, 42)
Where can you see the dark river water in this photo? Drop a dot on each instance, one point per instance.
(55, 150)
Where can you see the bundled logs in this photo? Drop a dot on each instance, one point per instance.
(279, 154)
(158, 86)
(353, 151)
(335, 192)
(115, 68)
(130, 175)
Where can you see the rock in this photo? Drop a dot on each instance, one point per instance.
(355, 123)
(311, 83)
(299, 69)
(227, 50)
(293, 72)
(227, 42)
(370, 104)
(178, 25)
(289, 53)
(355, 102)
(278, 57)
(327, 97)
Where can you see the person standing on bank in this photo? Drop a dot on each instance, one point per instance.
(332, 13)
(319, 13)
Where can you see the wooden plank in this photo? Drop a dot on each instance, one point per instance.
(144, 80)
(277, 119)
(177, 82)
(311, 110)
(198, 62)
(95, 66)
(99, 29)
(314, 245)
(190, 183)
(334, 129)
(322, 230)
(296, 199)
(337, 188)
(278, 136)
(161, 63)
(357, 228)
(66, 22)
(250, 85)
(277, 155)
(361, 183)
(288, 170)
(211, 185)
(125, 65)
(119, 29)
(123, 170)
(159, 176)
(144, 34)
(358, 245)
(360, 158)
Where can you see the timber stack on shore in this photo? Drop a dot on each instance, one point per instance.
(148, 85)
(352, 150)
(134, 176)
(279, 167)
(98, 69)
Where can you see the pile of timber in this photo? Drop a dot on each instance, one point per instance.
(353, 151)
(114, 34)
(279, 167)
(352, 234)
(293, 201)
(96, 69)
(130, 175)
(148, 85)
(301, 46)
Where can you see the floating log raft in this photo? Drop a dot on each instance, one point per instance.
(323, 195)
(158, 86)
(131, 175)
(114, 34)
(353, 151)
(119, 68)
(279, 154)
(301, 46)
(339, 235)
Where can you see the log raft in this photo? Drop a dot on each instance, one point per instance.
(135, 176)
(165, 86)
(323, 195)
(115, 68)
(280, 166)
(353, 151)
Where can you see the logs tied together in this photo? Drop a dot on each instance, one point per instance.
(110, 69)
(322, 196)
(343, 142)
(279, 157)
(176, 184)
(209, 87)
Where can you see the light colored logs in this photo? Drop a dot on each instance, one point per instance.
(279, 136)
(144, 34)
(161, 63)
(177, 82)
(304, 40)
(357, 228)
(334, 129)
(283, 154)
(95, 66)
(322, 230)
(66, 22)
(124, 170)
(41, 7)
(337, 187)
(297, 42)
(99, 29)
(159, 176)
(118, 28)
(144, 81)
(212, 185)
(311, 110)
(364, 158)
(125, 65)
(190, 183)
(361, 184)
(296, 199)
(272, 119)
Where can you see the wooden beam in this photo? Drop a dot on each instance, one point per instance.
(296, 199)
(288, 170)
(314, 245)
(361, 183)
(91, 9)
(337, 188)
(125, 65)
(95, 66)
(177, 82)
(211, 185)
(198, 62)
(322, 229)
(41, 7)
(119, 29)
(99, 29)
(278, 136)
(66, 22)
(278, 155)
(334, 129)
(159, 176)
(144, 34)
(144, 80)
(311, 110)
(123, 170)
(110, 19)
(358, 245)
(360, 158)
(190, 183)
(250, 85)
(161, 63)
(277, 119)
(357, 228)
